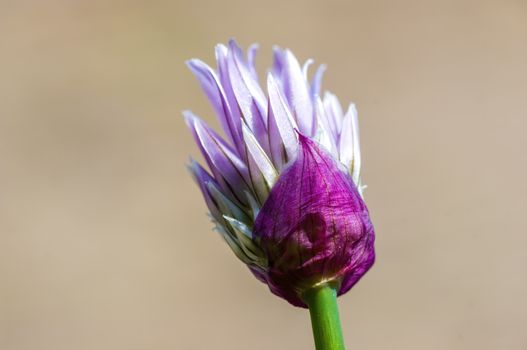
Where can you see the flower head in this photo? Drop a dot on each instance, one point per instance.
(284, 186)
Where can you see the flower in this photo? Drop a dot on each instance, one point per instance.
(284, 187)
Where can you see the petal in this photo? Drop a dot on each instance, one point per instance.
(260, 158)
(297, 94)
(305, 68)
(317, 78)
(253, 204)
(334, 113)
(324, 136)
(244, 237)
(349, 148)
(356, 164)
(278, 62)
(276, 145)
(222, 53)
(202, 178)
(230, 172)
(251, 57)
(240, 73)
(249, 96)
(234, 244)
(282, 117)
(317, 81)
(224, 204)
(212, 86)
(258, 184)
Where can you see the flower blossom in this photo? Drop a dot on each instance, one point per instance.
(283, 186)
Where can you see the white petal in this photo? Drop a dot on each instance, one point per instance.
(284, 119)
(355, 168)
(260, 158)
(305, 68)
(316, 83)
(349, 144)
(334, 112)
(324, 135)
(297, 93)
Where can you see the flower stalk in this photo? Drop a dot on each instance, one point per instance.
(325, 321)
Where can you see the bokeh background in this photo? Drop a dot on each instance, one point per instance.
(104, 241)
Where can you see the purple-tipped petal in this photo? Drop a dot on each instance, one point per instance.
(249, 97)
(251, 60)
(222, 53)
(244, 76)
(278, 62)
(314, 226)
(203, 178)
(227, 168)
(212, 87)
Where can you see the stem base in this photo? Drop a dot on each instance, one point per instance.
(322, 303)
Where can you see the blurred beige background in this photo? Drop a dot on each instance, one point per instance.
(104, 242)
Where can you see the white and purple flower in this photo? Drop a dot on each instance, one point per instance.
(284, 186)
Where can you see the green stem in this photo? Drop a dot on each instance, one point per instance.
(322, 303)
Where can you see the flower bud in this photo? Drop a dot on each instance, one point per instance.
(284, 188)
(314, 227)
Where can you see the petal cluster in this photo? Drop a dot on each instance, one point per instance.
(283, 186)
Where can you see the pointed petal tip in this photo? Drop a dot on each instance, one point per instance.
(352, 108)
(328, 94)
(189, 117)
(194, 63)
(353, 113)
(201, 70)
(233, 46)
(220, 46)
(320, 71)
(186, 114)
(190, 168)
(191, 162)
(290, 57)
(221, 51)
(198, 173)
(269, 78)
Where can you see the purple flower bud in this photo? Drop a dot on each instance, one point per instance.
(314, 227)
(284, 188)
